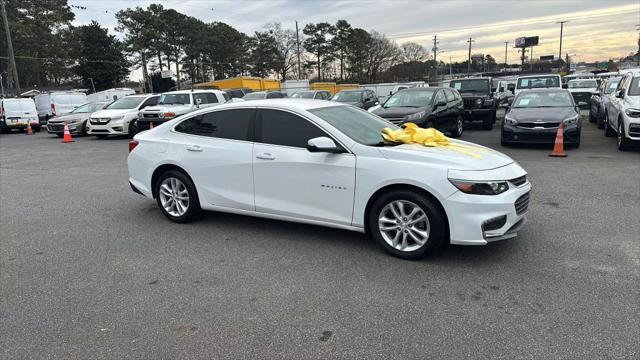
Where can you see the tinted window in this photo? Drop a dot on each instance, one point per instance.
(226, 124)
(449, 95)
(634, 88)
(150, 102)
(440, 97)
(284, 128)
(456, 95)
(212, 98)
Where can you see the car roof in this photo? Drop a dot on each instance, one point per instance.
(536, 75)
(544, 90)
(192, 91)
(354, 90)
(473, 78)
(286, 103)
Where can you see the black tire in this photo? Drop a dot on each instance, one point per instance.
(133, 129)
(193, 209)
(600, 121)
(83, 128)
(438, 229)
(608, 130)
(622, 141)
(592, 118)
(37, 128)
(458, 127)
(487, 123)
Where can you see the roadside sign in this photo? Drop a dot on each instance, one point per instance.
(166, 74)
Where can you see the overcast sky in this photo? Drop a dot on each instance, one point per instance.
(597, 30)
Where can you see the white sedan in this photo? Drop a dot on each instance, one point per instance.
(325, 163)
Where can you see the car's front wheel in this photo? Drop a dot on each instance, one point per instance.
(458, 127)
(177, 197)
(608, 130)
(487, 123)
(622, 141)
(407, 224)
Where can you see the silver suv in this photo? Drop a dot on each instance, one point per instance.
(623, 112)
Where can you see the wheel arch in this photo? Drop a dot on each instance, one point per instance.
(162, 169)
(403, 186)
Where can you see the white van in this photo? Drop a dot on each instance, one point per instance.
(17, 113)
(110, 95)
(541, 81)
(58, 103)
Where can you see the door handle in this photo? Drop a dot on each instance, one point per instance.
(194, 148)
(265, 156)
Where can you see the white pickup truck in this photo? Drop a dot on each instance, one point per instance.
(175, 103)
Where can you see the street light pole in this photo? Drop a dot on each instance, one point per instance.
(469, 59)
(505, 55)
(93, 85)
(560, 52)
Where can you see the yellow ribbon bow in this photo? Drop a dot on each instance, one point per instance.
(413, 134)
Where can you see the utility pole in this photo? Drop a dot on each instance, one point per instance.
(435, 48)
(93, 85)
(13, 70)
(531, 59)
(506, 43)
(560, 52)
(298, 46)
(638, 55)
(469, 59)
(450, 68)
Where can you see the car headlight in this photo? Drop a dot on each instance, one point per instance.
(416, 116)
(478, 101)
(571, 120)
(634, 113)
(480, 187)
(117, 118)
(510, 121)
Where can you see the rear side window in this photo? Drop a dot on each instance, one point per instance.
(227, 124)
(202, 97)
(274, 95)
(212, 98)
(284, 128)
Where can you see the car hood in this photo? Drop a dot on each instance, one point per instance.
(70, 118)
(541, 114)
(355, 103)
(397, 112)
(634, 101)
(168, 108)
(112, 113)
(447, 157)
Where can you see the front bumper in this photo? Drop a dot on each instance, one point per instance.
(477, 114)
(515, 134)
(58, 128)
(110, 128)
(632, 128)
(471, 216)
(20, 123)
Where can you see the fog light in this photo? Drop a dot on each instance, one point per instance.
(117, 129)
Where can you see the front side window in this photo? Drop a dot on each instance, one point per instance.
(348, 96)
(211, 98)
(150, 102)
(440, 97)
(449, 95)
(634, 88)
(611, 86)
(226, 124)
(202, 97)
(359, 125)
(126, 103)
(278, 127)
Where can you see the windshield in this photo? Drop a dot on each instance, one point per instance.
(477, 85)
(348, 96)
(611, 86)
(543, 99)
(361, 126)
(171, 99)
(579, 84)
(126, 103)
(303, 95)
(88, 108)
(539, 82)
(410, 98)
(254, 96)
(634, 88)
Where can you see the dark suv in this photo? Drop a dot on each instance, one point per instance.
(479, 103)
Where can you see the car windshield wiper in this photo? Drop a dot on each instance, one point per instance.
(384, 143)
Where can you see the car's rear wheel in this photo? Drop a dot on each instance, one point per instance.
(458, 127)
(133, 129)
(600, 120)
(177, 197)
(406, 224)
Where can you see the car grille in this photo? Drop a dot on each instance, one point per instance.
(522, 204)
(99, 121)
(546, 125)
(519, 180)
(470, 103)
(634, 130)
(55, 127)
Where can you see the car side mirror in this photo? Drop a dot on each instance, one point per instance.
(198, 102)
(366, 100)
(493, 90)
(323, 144)
(620, 94)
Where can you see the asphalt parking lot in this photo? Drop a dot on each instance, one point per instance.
(89, 269)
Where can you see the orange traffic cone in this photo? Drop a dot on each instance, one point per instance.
(67, 135)
(558, 148)
(150, 126)
(29, 129)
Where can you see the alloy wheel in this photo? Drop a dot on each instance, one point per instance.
(404, 225)
(459, 127)
(174, 196)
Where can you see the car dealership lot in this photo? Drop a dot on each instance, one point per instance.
(90, 269)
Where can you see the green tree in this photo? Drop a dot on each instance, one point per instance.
(318, 42)
(139, 37)
(99, 56)
(357, 51)
(285, 55)
(341, 42)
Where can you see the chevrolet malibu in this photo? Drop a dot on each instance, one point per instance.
(326, 163)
